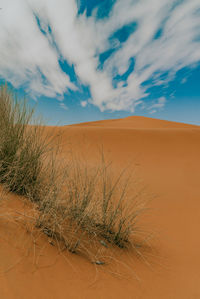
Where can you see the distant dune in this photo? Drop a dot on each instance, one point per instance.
(166, 159)
(137, 122)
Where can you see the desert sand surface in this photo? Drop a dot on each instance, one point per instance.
(165, 158)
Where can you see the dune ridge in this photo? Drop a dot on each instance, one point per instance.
(137, 122)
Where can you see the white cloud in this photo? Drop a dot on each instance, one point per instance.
(153, 111)
(63, 106)
(83, 104)
(157, 105)
(27, 57)
(160, 103)
(184, 80)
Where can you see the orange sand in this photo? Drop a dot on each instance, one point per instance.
(166, 158)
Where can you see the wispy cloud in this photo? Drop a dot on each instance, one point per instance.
(159, 104)
(63, 106)
(36, 34)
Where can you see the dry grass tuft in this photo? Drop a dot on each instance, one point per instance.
(81, 208)
(90, 210)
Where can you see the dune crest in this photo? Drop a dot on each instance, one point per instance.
(137, 122)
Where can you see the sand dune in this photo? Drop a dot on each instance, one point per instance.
(136, 122)
(165, 157)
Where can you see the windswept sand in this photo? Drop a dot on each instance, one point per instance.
(165, 157)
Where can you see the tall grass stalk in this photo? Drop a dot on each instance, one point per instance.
(22, 148)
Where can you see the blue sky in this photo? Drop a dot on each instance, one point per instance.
(86, 60)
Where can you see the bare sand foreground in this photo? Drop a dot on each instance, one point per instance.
(166, 159)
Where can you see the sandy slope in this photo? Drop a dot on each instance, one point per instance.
(165, 157)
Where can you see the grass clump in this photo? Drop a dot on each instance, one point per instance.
(22, 147)
(78, 206)
(91, 209)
